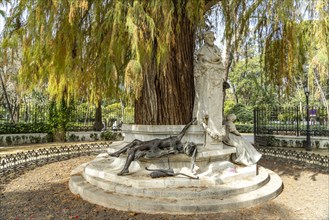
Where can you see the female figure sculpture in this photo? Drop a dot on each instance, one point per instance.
(245, 154)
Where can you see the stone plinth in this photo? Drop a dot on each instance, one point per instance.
(194, 133)
(221, 185)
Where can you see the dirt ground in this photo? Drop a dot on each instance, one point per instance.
(43, 193)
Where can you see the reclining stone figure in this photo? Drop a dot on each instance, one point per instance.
(152, 148)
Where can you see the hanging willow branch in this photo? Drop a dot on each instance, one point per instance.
(89, 47)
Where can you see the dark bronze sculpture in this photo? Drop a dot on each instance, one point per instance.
(152, 148)
(156, 173)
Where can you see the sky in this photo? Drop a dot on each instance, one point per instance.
(1, 24)
(2, 21)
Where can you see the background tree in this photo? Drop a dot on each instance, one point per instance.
(9, 89)
(90, 48)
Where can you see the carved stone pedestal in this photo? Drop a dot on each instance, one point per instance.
(221, 186)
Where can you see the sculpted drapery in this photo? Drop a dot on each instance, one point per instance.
(209, 76)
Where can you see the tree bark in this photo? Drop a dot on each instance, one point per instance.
(98, 125)
(167, 95)
(7, 99)
(323, 95)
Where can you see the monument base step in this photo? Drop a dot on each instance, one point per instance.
(221, 185)
(189, 200)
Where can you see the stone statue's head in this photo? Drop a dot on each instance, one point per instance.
(231, 117)
(189, 148)
(209, 37)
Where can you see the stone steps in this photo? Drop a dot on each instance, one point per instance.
(219, 191)
(189, 200)
(107, 169)
(222, 185)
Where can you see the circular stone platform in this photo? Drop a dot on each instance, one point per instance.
(221, 186)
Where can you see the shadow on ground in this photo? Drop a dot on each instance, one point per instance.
(284, 167)
(43, 193)
(55, 201)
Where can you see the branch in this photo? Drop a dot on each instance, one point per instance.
(6, 96)
(210, 3)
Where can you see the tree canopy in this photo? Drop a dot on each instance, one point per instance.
(94, 49)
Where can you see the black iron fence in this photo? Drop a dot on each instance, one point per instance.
(299, 157)
(10, 161)
(34, 118)
(13, 165)
(291, 121)
(25, 113)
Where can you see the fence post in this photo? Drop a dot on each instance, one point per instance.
(297, 121)
(255, 122)
(35, 113)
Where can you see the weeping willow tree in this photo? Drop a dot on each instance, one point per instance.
(90, 48)
(69, 47)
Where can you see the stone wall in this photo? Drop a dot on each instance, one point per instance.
(194, 133)
(37, 138)
(291, 141)
(17, 139)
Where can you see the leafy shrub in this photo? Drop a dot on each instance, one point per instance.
(16, 139)
(108, 135)
(244, 114)
(94, 136)
(74, 126)
(245, 128)
(73, 137)
(19, 128)
(35, 139)
(9, 140)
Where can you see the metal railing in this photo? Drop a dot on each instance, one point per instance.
(39, 156)
(24, 113)
(290, 121)
(80, 118)
(299, 157)
(13, 165)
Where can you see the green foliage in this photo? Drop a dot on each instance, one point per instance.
(129, 115)
(108, 135)
(94, 136)
(58, 119)
(73, 137)
(244, 114)
(250, 84)
(35, 139)
(40, 127)
(245, 128)
(88, 48)
(113, 111)
(72, 126)
(9, 140)
(229, 104)
(22, 139)
(91, 48)
(294, 41)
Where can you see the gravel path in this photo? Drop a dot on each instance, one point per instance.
(42, 193)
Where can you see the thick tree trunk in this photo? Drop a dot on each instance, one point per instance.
(168, 93)
(7, 98)
(98, 125)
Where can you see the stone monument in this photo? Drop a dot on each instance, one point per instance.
(203, 167)
(209, 74)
